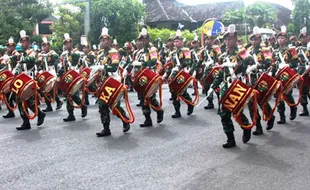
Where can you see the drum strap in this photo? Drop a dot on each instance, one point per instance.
(267, 116)
(47, 95)
(196, 100)
(7, 103)
(83, 97)
(300, 93)
(157, 108)
(116, 112)
(25, 106)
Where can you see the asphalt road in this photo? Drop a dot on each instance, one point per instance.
(183, 153)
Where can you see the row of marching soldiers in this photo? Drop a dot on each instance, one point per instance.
(238, 76)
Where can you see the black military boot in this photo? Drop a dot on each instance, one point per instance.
(177, 106)
(49, 106)
(140, 103)
(160, 116)
(246, 135)
(84, 111)
(59, 103)
(305, 111)
(9, 115)
(259, 129)
(86, 102)
(282, 119)
(230, 140)
(70, 116)
(41, 117)
(293, 112)
(270, 123)
(148, 120)
(26, 124)
(105, 132)
(126, 127)
(190, 109)
(210, 105)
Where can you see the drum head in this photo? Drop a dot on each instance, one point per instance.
(6, 87)
(28, 91)
(153, 89)
(117, 98)
(77, 86)
(49, 85)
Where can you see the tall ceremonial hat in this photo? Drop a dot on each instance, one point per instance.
(94, 47)
(231, 31)
(114, 42)
(143, 34)
(84, 41)
(303, 33)
(45, 41)
(178, 35)
(282, 32)
(105, 34)
(23, 35)
(211, 28)
(256, 33)
(67, 38)
(195, 40)
(11, 42)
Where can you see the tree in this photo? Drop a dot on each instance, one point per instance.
(301, 15)
(121, 17)
(71, 19)
(164, 34)
(16, 15)
(258, 14)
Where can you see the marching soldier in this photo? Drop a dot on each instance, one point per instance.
(304, 56)
(291, 61)
(195, 53)
(70, 58)
(261, 63)
(115, 44)
(239, 65)
(181, 62)
(209, 56)
(13, 58)
(27, 61)
(52, 59)
(143, 60)
(128, 49)
(109, 67)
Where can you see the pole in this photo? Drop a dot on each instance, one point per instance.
(87, 18)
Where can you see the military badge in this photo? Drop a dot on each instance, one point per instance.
(68, 78)
(284, 76)
(41, 78)
(3, 77)
(142, 81)
(180, 79)
(263, 86)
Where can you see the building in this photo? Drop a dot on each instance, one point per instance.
(43, 28)
(168, 13)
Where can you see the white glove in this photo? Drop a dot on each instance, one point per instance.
(164, 76)
(209, 63)
(282, 65)
(125, 73)
(136, 63)
(307, 67)
(194, 74)
(175, 69)
(25, 67)
(251, 69)
(229, 64)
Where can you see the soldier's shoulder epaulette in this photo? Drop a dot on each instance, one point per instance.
(29, 52)
(15, 52)
(113, 50)
(185, 49)
(217, 49)
(265, 49)
(75, 50)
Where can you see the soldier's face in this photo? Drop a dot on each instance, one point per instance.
(105, 43)
(146, 42)
(85, 49)
(209, 42)
(272, 41)
(178, 43)
(46, 48)
(68, 46)
(230, 41)
(282, 40)
(195, 45)
(170, 44)
(25, 44)
(256, 42)
(304, 40)
(139, 44)
(11, 48)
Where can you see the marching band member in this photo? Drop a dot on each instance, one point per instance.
(27, 61)
(221, 81)
(70, 58)
(181, 62)
(52, 59)
(304, 56)
(109, 67)
(283, 54)
(142, 60)
(263, 63)
(13, 58)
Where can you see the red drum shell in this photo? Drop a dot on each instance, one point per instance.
(45, 81)
(306, 77)
(212, 75)
(22, 85)
(288, 77)
(6, 78)
(147, 82)
(71, 82)
(180, 82)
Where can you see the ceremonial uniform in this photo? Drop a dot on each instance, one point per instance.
(70, 60)
(109, 67)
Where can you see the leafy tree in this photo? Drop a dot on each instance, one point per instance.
(301, 15)
(121, 17)
(71, 19)
(16, 15)
(164, 34)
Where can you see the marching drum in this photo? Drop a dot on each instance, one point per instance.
(212, 75)
(6, 78)
(110, 93)
(165, 67)
(306, 77)
(288, 77)
(71, 82)
(147, 82)
(23, 86)
(45, 81)
(236, 98)
(180, 82)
